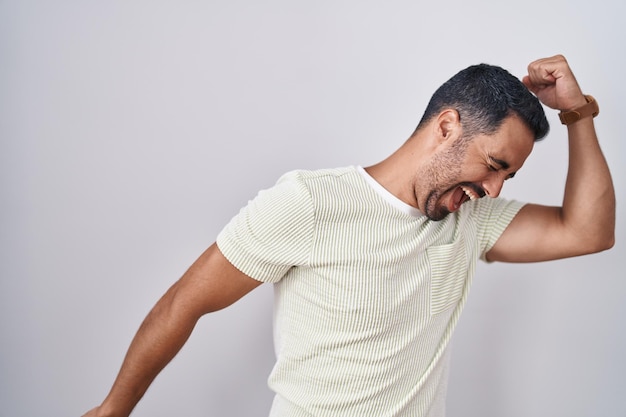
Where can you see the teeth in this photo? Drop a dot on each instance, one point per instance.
(469, 193)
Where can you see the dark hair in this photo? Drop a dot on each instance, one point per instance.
(484, 95)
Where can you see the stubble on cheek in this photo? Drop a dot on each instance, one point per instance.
(440, 176)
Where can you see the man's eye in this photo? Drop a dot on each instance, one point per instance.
(492, 168)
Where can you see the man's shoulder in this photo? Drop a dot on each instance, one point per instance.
(300, 188)
(328, 174)
(325, 181)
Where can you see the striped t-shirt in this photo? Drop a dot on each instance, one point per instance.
(367, 290)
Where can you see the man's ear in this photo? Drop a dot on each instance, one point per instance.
(448, 125)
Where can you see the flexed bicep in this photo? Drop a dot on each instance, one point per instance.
(537, 233)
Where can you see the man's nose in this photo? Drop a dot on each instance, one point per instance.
(493, 186)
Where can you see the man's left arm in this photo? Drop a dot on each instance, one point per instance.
(586, 221)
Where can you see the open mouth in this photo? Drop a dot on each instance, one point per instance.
(465, 193)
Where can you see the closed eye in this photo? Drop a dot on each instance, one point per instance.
(502, 165)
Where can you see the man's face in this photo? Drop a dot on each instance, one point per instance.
(470, 169)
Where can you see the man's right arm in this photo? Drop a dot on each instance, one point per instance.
(210, 284)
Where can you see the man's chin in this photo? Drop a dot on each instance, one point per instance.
(434, 210)
(437, 214)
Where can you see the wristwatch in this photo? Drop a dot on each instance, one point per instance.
(589, 109)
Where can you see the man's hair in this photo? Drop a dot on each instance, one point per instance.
(484, 95)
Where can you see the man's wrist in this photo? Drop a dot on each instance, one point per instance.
(590, 109)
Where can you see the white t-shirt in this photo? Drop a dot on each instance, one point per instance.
(367, 290)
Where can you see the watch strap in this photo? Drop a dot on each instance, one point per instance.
(590, 109)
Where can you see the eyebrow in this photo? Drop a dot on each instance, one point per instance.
(503, 164)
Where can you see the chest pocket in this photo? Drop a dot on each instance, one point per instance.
(449, 271)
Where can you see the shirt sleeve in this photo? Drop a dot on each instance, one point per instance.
(272, 233)
(494, 215)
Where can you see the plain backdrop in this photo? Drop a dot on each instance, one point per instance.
(132, 131)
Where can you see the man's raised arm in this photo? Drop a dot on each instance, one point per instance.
(586, 221)
(210, 284)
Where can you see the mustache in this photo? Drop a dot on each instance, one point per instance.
(476, 188)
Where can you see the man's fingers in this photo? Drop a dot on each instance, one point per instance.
(530, 85)
(546, 71)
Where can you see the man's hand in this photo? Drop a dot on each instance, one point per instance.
(553, 82)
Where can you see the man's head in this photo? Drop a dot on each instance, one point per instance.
(468, 169)
(485, 122)
(484, 95)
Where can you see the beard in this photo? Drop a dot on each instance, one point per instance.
(442, 175)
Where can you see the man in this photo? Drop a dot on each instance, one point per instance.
(371, 266)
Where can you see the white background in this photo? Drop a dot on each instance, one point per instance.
(132, 131)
